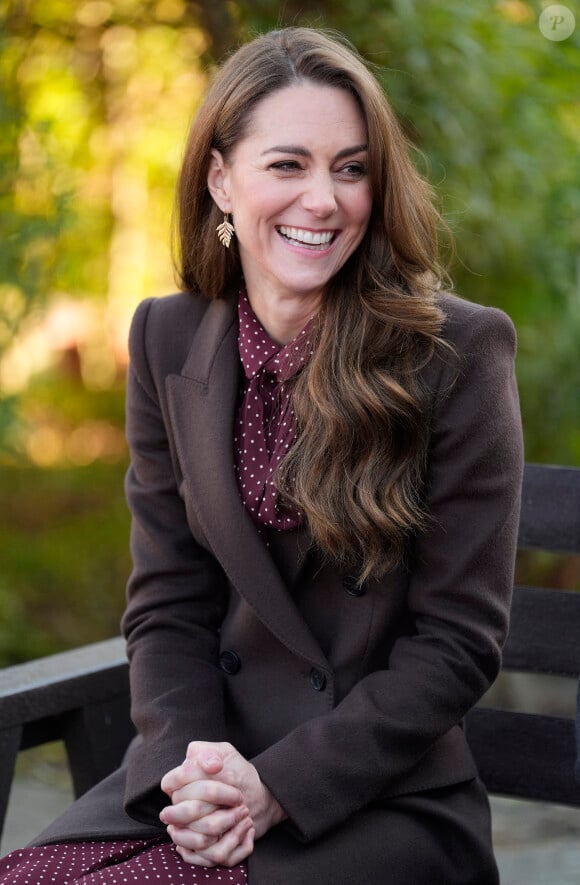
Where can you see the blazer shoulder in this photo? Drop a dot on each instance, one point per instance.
(467, 322)
(162, 330)
(477, 340)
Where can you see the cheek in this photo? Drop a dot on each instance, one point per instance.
(254, 217)
(258, 201)
(365, 205)
(360, 207)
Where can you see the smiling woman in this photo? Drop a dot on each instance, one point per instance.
(301, 206)
(324, 484)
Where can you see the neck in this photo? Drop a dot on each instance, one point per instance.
(284, 316)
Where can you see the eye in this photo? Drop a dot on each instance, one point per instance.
(353, 170)
(286, 166)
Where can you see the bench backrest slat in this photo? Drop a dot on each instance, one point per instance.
(523, 755)
(544, 632)
(550, 514)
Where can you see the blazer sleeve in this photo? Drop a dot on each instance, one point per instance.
(458, 599)
(176, 598)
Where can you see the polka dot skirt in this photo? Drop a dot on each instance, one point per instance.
(266, 426)
(114, 863)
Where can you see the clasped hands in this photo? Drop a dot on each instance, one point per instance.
(219, 805)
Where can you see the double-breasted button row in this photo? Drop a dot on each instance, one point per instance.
(230, 662)
(352, 587)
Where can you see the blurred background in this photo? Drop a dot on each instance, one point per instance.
(95, 100)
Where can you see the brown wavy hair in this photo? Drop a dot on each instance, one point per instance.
(356, 470)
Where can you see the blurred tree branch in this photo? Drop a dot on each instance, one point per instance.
(216, 19)
(224, 30)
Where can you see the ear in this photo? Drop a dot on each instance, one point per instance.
(218, 181)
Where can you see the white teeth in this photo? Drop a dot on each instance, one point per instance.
(312, 238)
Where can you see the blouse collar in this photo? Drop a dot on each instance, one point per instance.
(258, 351)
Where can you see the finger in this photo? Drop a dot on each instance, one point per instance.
(193, 857)
(202, 816)
(200, 842)
(207, 749)
(222, 851)
(209, 762)
(199, 836)
(209, 755)
(219, 821)
(246, 846)
(213, 792)
(183, 837)
(183, 774)
(186, 812)
(226, 852)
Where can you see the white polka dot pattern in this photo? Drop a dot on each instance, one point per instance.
(266, 426)
(145, 862)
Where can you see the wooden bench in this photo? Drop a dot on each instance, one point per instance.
(82, 696)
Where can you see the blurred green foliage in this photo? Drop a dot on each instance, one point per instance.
(30, 227)
(64, 552)
(95, 97)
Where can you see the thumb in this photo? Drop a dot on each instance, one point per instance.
(210, 763)
(206, 755)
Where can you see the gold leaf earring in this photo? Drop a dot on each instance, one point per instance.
(225, 230)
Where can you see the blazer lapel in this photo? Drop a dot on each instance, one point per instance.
(202, 406)
(289, 550)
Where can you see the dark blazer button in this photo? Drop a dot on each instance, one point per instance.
(317, 679)
(352, 587)
(230, 662)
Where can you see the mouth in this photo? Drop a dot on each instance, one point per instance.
(316, 240)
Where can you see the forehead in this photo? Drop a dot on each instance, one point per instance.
(307, 111)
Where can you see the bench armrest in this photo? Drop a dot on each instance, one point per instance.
(80, 697)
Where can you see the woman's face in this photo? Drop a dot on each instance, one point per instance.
(298, 190)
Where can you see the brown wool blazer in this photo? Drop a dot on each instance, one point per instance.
(344, 701)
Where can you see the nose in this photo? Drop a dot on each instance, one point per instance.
(319, 195)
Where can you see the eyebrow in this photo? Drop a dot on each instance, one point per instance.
(304, 152)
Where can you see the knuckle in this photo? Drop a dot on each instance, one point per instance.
(210, 827)
(192, 808)
(201, 827)
(217, 853)
(208, 830)
(213, 792)
(193, 747)
(221, 855)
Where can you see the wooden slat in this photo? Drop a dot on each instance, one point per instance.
(544, 632)
(525, 756)
(80, 696)
(550, 515)
(60, 683)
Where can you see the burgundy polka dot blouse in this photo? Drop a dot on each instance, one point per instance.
(266, 426)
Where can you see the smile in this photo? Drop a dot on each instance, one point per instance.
(320, 239)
